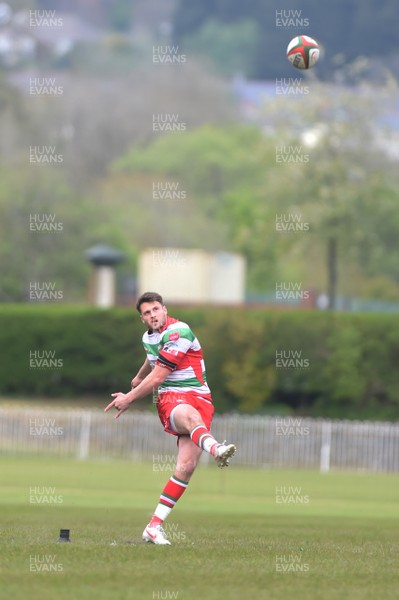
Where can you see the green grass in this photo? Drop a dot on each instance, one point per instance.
(231, 538)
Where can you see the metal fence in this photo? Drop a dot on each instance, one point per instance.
(268, 442)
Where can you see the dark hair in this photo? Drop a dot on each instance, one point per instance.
(148, 297)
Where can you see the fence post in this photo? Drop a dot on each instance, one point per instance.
(84, 442)
(325, 451)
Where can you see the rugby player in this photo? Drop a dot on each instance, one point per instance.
(175, 367)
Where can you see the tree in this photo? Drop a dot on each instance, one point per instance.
(44, 229)
(231, 47)
(98, 118)
(350, 183)
(223, 170)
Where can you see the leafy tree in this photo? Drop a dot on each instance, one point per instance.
(231, 165)
(43, 255)
(349, 185)
(231, 47)
(97, 119)
(144, 220)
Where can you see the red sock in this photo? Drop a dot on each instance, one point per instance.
(172, 491)
(203, 438)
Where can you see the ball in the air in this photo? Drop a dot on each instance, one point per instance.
(303, 52)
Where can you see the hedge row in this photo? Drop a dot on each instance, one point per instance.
(258, 360)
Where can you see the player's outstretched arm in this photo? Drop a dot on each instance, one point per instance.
(122, 401)
(144, 370)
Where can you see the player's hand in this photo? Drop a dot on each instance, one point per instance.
(120, 402)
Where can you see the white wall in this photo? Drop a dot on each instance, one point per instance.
(181, 275)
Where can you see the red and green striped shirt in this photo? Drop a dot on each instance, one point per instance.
(176, 348)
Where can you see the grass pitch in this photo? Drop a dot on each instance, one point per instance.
(236, 533)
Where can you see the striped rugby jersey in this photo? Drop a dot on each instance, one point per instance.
(176, 347)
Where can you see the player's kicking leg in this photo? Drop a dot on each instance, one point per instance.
(186, 419)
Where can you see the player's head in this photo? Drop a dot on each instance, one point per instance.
(152, 310)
